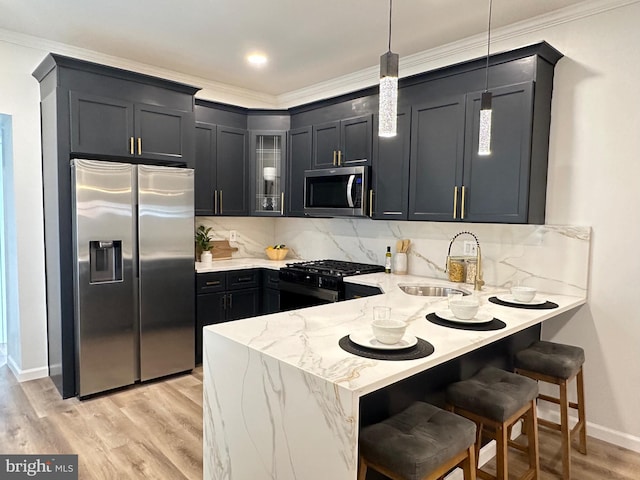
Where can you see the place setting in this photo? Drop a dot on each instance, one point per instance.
(523, 297)
(464, 313)
(386, 340)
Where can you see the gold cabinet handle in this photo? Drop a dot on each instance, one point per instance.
(334, 158)
(463, 198)
(211, 284)
(455, 202)
(371, 203)
(282, 203)
(139, 146)
(339, 157)
(220, 202)
(131, 145)
(215, 202)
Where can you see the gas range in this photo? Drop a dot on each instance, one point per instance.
(321, 279)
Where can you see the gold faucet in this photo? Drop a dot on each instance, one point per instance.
(478, 282)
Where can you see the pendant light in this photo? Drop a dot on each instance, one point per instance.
(484, 137)
(388, 98)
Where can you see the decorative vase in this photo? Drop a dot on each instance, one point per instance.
(206, 257)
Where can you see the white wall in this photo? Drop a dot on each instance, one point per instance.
(593, 172)
(26, 322)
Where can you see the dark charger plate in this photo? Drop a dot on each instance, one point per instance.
(421, 350)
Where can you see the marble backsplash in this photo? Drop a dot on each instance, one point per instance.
(551, 258)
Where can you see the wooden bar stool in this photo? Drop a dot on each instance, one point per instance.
(558, 364)
(422, 442)
(495, 400)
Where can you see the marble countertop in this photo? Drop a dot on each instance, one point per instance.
(241, 263)
(308, 338)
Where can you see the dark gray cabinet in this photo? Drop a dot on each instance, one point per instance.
(437, 152)
(103, 126)
(342, 143)
(270, 291)
(299, 155)
(389, 194)
(353, 290)
(225, 296)
(451, 182)
(497, 186)
(221, 180)
(268, 172)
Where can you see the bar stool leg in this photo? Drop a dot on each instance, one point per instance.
(502, 444)
(362, 471)
(565, 431)
(531, 422)
(469, 464)
(581, 413)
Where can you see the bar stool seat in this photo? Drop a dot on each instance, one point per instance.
(558, 364)
(422, 442)
(495, 400)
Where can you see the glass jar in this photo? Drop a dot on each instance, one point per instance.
(457, 269)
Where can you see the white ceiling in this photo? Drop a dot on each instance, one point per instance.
(307, 41)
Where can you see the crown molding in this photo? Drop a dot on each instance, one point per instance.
(465, 49)
(462, 50)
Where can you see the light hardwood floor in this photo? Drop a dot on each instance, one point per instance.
(154, 431)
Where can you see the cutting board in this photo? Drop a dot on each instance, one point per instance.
(222, 250)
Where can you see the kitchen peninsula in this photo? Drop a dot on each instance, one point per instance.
(282, 400)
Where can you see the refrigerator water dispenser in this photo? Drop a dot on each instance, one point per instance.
(105, 260)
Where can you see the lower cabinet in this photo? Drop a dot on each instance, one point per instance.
(270, 291)
(352, 290)
(225, 296)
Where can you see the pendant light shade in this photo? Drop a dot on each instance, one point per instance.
(484, 136)
(388, 98)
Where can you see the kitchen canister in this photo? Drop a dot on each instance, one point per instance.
(400, 263)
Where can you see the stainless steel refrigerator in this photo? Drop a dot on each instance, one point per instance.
(134, 273)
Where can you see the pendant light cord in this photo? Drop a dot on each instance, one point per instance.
(390, 9)
(486, 79)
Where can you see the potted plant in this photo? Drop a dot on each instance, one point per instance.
(203, 241)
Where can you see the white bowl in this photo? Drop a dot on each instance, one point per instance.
(464, 309)
(388, 331)
(523, 294)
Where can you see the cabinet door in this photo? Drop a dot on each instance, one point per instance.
(267, 165)
(100, 125)
(209, 310)
(243, 303)
(162, 133)
(232, 171)
(355, 136)
(326, 143)
(390, 172)
(243, 279)
(270, 301)
(352, 290)
(205, 171)
(298, 160)
(437, 143)
(497, 185)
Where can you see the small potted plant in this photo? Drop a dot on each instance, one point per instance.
(203, 241)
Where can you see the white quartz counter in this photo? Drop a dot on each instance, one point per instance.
(282, 399)
(308, 338)
(241, 263)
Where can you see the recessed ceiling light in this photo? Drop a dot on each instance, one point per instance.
(257, 59)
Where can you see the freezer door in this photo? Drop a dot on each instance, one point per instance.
(105, 308)
(166, 270)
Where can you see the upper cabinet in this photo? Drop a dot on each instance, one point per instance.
(342, 143)
(268, 172)
(221, 170)
(299, 155)
(388, 196)
(109, 126)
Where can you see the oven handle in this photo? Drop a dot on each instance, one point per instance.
(350, 190)
(309, 291)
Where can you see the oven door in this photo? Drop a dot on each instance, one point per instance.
(335, 191)
(295, 295)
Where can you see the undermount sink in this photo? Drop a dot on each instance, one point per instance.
(431, 290)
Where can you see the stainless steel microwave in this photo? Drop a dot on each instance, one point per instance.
(336, 192)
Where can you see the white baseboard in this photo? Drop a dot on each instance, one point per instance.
(26, 375)
(600, 432)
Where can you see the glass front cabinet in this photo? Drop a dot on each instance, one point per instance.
(268, 153)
